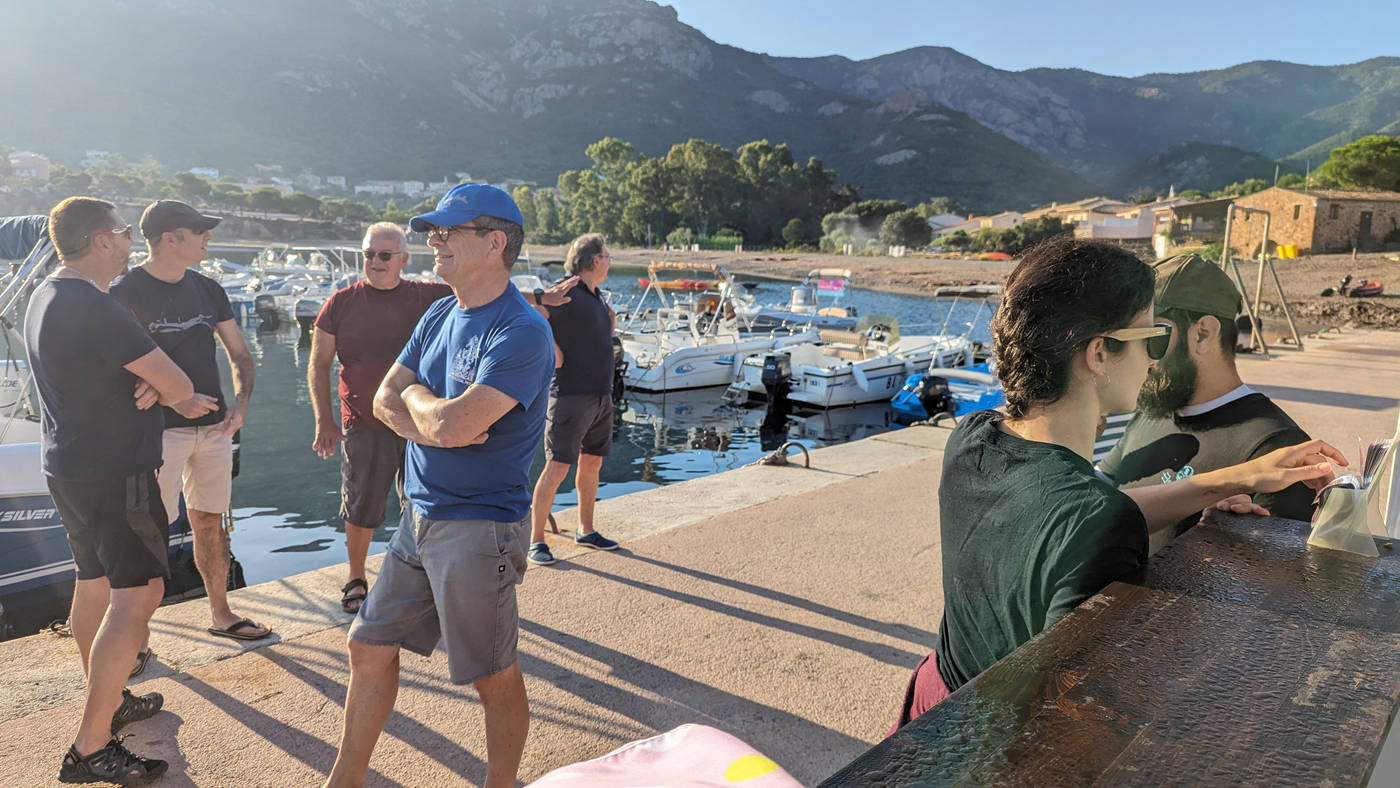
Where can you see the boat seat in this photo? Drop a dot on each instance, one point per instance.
(845, 345)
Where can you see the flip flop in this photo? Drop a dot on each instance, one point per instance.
(142, 657)
(232, 631)
(352, 595)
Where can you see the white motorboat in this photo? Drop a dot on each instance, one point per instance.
(846, 367)
(690, 340)
(805, 307)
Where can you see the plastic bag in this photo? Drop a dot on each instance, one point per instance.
(1341, 522)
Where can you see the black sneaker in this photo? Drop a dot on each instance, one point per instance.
(135, 708)
(111, 764)
(539, 554)
(596, 541)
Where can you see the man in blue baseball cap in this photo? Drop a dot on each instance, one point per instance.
(469, 393)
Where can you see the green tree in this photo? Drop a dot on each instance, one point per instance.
(681, 236)
(265, 199)
(707, 190)
(64, 182)
(230, 195)
(939, 206)
(905, 228)
(1194, 195)
(525, 200)
(393, 213)
(1371, 162)
(795, 232)
(1291, 180)
(302, 204)
(190, 187)
(547, 215)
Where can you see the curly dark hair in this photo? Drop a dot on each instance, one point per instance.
(1062, 294)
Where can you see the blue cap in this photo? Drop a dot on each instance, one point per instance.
(465, 202)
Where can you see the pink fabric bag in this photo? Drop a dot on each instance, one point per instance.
(691, 755)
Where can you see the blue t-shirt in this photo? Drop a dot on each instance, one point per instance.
(79, 339)
(506, 345)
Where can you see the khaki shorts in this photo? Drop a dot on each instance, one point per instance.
(199, 463)
(454, 581)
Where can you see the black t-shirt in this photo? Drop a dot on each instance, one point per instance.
(1029, 532)
(181, 317)
(583, 331)
(78, 339)
(1158, 450)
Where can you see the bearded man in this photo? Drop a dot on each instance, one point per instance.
(1195, 414)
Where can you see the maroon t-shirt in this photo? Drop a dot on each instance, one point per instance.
(371, 327)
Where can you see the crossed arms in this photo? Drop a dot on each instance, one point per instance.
(412, 411)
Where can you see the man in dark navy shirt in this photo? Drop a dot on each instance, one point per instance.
(97, 373)
(184, 311)
(578, 427)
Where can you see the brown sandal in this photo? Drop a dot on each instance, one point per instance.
(353, 596)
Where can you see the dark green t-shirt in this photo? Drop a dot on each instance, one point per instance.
(1160, 451)
(1029, 532)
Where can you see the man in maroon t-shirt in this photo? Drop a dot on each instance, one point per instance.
(365, 325)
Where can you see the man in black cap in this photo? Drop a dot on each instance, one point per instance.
(184, 310)
(1195, 414)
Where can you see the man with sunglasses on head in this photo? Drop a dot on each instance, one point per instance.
(185, 312)
(469, 393)
(98, 373)
(1195, 414)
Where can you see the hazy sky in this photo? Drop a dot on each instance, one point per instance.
(1124, 39)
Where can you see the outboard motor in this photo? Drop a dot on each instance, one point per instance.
(777, 377)
(265, 307)
(936, 397)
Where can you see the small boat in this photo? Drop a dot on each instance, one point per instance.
(687, 343)
(805, 308)
(954, 391)
(845, 368)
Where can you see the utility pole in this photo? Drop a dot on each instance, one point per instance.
(1275, 173)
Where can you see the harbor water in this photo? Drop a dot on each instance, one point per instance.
(286, 499)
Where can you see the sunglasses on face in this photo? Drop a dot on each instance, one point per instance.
(443, 233)
(124, 232)
(383, 256)
(1156, 338)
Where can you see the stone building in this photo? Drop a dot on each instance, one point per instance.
(1318, 220)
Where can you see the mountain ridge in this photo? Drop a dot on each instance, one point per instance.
(419, 89)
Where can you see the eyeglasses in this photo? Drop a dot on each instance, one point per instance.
(125, 232)
(384, 256)
(443, 233)
(1158, 336)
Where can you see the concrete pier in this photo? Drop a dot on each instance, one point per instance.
(784, 605)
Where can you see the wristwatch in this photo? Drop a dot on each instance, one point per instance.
(539, 297)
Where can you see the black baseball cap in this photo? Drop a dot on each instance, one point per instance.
(163, 216)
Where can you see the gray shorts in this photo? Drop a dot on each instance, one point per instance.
(578, 423)
(371, 463)
(452, 580)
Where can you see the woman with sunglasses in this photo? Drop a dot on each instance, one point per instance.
(1029, 530)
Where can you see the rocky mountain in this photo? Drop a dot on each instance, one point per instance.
(497, 88)
(518, 88)
(1098, 125)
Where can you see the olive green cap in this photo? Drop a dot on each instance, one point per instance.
(1193, 284)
